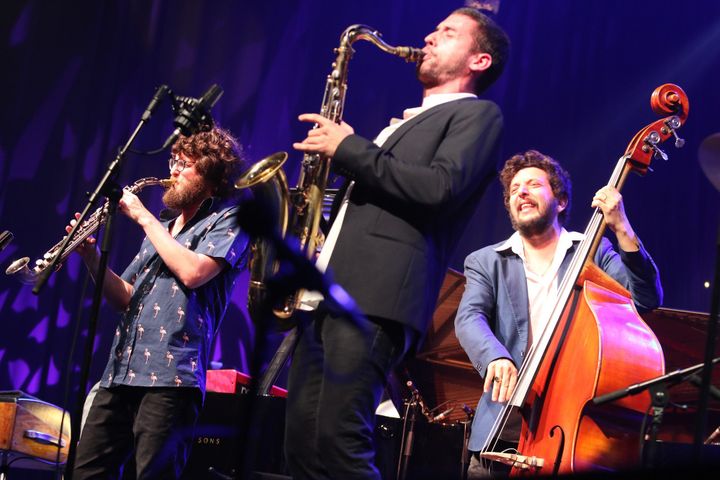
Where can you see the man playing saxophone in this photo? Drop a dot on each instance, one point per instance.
(413, 190)
(171, 297)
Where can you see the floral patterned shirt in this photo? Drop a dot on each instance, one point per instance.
(164, 336)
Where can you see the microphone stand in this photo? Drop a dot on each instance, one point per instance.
(408, 435)
(709, 353)
(465, 454)
(659, 396)
(108, 188)
(414, 405)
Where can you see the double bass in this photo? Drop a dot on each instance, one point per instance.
(594, 343)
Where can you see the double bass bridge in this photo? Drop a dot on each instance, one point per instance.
(515, 460)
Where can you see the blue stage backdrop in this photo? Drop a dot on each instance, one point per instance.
(77, 76)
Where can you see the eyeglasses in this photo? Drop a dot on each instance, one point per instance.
(179, 163)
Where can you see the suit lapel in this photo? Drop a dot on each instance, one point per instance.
(416, 120)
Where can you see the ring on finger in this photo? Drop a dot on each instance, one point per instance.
(496, 379)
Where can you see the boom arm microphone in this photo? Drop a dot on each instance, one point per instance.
(193, 115)
(160, 94)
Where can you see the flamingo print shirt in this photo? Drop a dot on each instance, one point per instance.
(164, 336)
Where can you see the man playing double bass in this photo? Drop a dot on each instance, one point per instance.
(509, 283)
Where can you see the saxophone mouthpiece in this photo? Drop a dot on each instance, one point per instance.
(167, 182)
(410, 54)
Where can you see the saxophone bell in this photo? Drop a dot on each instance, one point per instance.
(268, 183)
(23, 273)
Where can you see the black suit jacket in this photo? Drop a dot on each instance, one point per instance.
(411, 201)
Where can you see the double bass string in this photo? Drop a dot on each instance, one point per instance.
(526, 373)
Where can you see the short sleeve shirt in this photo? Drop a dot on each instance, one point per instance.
(164, 336)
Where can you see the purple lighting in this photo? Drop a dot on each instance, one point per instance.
(69, 147)
(32, 142)
(34, 384)
(53, 373)
(576, 84)
(3, 297)
(19, 371)
(39, 333)
(217, 356)
(63, 317)
(25, 300)
(72, 267)
(20, 29)
(62, 205)
(94, 152)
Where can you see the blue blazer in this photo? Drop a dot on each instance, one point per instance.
(493, 317)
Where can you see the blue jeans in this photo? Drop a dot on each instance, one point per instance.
(337, 376)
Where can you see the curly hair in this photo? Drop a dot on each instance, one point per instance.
(559, 178)
(218, 156)
(489, 38)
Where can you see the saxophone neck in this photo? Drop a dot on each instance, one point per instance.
(364, 32)
(334, 98)
(150, 181)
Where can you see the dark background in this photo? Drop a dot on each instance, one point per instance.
(77, 76)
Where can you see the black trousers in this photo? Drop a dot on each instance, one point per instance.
(156, 423)
(337, 376)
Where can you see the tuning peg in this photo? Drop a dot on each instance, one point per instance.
(679, 142)
(660, 153)
(651, 142)
(673, 123)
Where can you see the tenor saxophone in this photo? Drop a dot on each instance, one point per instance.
(306, 202)
(29, 275)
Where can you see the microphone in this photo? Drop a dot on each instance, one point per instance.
(160, 94)
(5, 238)
(420, 401)
(442, 415)
(194, 115)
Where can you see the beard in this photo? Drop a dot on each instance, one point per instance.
(536, 225)
(192, 194)
(432, 73)
(425, 75)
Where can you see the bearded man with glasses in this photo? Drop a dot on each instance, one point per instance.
(171, 299)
